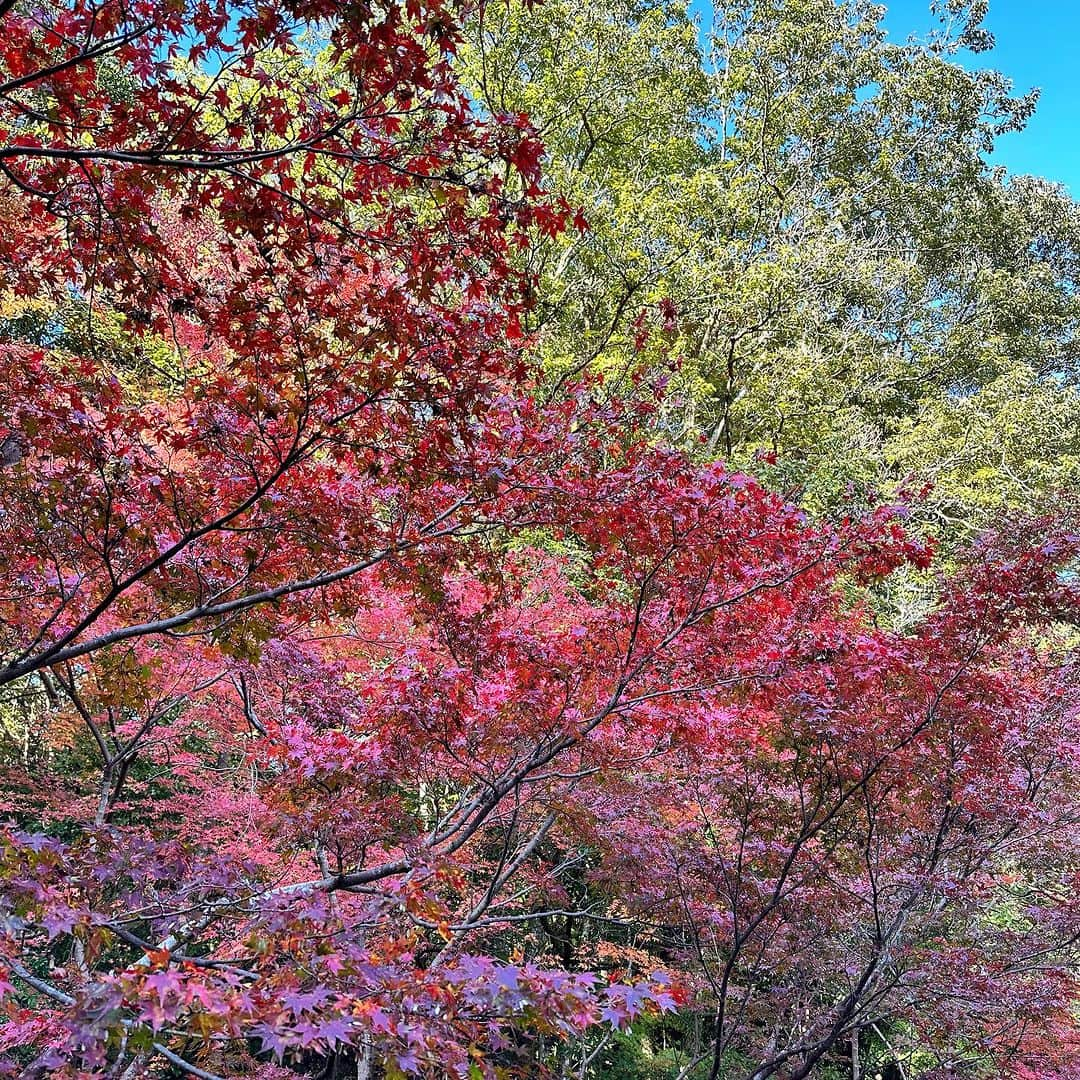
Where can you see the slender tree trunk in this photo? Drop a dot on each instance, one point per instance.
(364, 1061)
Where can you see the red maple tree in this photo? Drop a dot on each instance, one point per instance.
(353, 676)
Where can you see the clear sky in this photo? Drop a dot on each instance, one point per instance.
(1038, 45)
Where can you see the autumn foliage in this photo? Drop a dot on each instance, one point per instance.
(371, 710)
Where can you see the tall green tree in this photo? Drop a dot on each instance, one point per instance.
(857, 289)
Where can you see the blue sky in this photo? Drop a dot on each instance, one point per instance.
(1038, 45)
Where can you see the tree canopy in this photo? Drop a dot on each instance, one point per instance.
(858, 291)
(537, 541)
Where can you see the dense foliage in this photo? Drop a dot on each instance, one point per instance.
(394, 681)
(856, 289)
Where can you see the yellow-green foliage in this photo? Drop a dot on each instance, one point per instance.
(857, 289)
